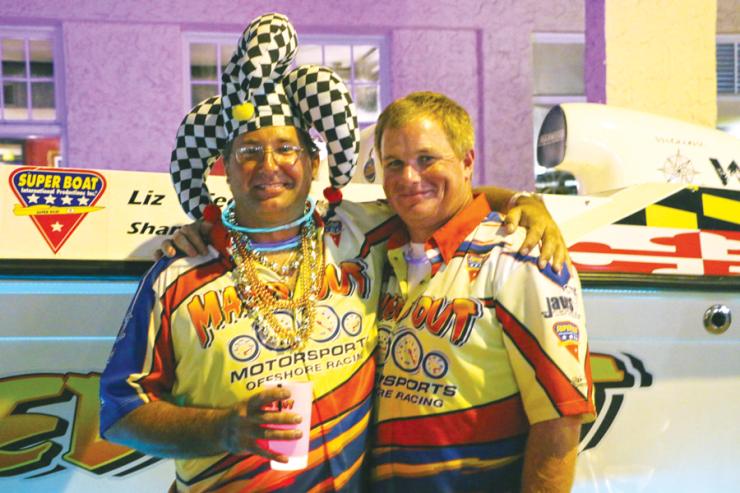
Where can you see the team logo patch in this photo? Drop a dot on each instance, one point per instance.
(334, 229)
(56, 200)
(569, 335)
(244, 348)
(474, 264)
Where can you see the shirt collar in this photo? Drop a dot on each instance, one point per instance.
(451, 235)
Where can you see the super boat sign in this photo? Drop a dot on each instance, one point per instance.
(56, 200)
(81, 214)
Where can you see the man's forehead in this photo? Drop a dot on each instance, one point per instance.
(418, 135)
(267, 134)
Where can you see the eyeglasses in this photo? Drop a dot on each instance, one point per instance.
(285, 154)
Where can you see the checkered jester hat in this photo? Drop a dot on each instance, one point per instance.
(256, 93)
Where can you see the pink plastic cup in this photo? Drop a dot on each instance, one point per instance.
(300, 400)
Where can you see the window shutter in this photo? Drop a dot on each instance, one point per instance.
(727, 62)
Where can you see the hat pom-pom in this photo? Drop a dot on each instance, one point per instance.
(212, 213)
(333, 195)
(219, 236)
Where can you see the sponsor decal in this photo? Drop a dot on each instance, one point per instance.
(679, 141)
(384, 345)
(285, 318)
(327, 324)
(49, 423)
(244, 348)
(473, 264)
(352, 324)
(678, 169)
(435, 364)
(658, 251)
(568, 334)
(562, 306)
(369, 169)
(212, 311)
(732, 170)
(614, 377)
(334, 229)
(56, 200)
(351, 276)
(288, 365)
(406, 351)
(551, 138)
(454, 318)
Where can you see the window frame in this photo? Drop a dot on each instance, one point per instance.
(231, 38)
(557, 38)
(28, 129)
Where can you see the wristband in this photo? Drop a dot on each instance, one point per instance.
(515, 197)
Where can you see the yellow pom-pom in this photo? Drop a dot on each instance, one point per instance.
(243, 111)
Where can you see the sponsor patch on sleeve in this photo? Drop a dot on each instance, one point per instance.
(569, 335)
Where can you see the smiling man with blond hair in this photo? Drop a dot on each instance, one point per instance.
(478, 388)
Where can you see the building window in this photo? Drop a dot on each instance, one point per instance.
(30, 103)
(557, 78)
(728, 84)
(361, 61)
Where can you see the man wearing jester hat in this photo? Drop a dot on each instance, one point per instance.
(270, 301)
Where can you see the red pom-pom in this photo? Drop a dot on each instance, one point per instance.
(212, 213)
(332, 195)
(220, 238)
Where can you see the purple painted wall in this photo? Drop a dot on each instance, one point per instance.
(594, 65)
(124, 94)
(124, 82)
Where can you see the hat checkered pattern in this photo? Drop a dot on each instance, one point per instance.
(309, 96)
(200, 139)
(264, 54)
(325, 103)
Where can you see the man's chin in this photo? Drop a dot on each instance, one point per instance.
(417, 204)
(417, 216)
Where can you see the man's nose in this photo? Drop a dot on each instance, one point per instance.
(268, 162)
(411, 173)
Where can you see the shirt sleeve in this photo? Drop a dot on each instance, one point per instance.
(545, 336)
(140, 368)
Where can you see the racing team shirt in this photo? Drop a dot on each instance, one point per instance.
(481, 349)
(187, 339)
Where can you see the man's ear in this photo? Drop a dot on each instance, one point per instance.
(468, 161)
(315, 162)
(226, 169)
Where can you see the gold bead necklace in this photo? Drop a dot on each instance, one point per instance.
(262, 303)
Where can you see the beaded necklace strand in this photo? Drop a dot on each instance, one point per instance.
(261, 303)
